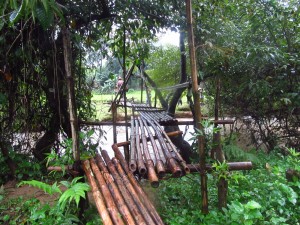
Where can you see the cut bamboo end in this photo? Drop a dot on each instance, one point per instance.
(152, 174)
(160, 169)
(141, 167)
(174, 167)
(132, 165)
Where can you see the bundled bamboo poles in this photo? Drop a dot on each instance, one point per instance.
(118, 196)
(140, 154)
(137, 187)
(168, 147)
(162, 117)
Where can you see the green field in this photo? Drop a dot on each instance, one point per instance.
(102, 104)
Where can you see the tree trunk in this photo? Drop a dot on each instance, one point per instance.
(10, 163)
(178, 141)
(157, 92)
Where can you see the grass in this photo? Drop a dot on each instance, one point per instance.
(102, 104)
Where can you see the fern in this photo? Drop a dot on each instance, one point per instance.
(75, 191)
(50, 189)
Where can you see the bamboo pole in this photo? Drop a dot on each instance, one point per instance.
(136, 185)
(170, 134)
(132, 161)
(198, 116)
(149, 162)
(171, 161)
(71, 93)
(159, 163)
(99, 200)
(124, 210)
(145, 212)
(172, 147)
(140, 162)
(111, 206)
(123, 189)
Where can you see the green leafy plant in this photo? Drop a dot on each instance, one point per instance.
(75, 191)
(49, 189)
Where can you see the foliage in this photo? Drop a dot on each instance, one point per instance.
(259, 196)
(33, 212)
(252, 46)
(88, 145)
(28, 168)
(163, 65)
(49, 189)
(75, 191)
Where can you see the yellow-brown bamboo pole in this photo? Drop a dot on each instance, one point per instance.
(124, 210)
(145, 212)
(132, 161)
(149, 162)
(123, 189)
(99, 200)
(136, 186)
(111, 206)
(139, 151)
(159, 163)
(196, 95)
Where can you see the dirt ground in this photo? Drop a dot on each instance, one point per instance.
(12, 191)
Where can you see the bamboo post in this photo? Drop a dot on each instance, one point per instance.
(197, 107)
(136, 186)
(222, 182)
(125, 212)
(99, 200)
(71, 92)
(111, 206)
(114, 118)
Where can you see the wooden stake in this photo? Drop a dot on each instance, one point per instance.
(71, 92)
(196, 95)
